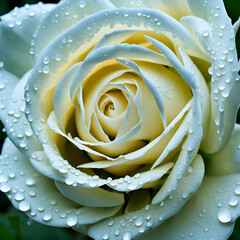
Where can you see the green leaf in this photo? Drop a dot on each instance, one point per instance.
(15, 223)
(5, 234)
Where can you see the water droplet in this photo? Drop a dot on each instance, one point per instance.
(46, 69)
(5, 187)
(224, 216)
(41, 209)
(3, 178)
(46, 60)
(105, 236)
(184, 195)
(110, 223)
(30, 181)
(117, 232)
(82, 4)
(139, 221)
(47, 217)
(210, 70)
(19, 196)
(2, 86)
(32, 193)
(205, 33)
(237, 190)
(72, 221)
(69, 39)
(233, 201)
(31, 14)
(127, 236)
(24, 206)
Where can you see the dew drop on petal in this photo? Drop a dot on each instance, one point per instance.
(105, 236)
(24, 206)
(205, 33)
(237, 190)
(30, 181)
(45, 69)
(19, 196)
(3, 178)
(82, 4)
(224, 216)
(127, 236)
(47, 217)
(233, 201)
(139, 221)
(72, 221)
(5, 187)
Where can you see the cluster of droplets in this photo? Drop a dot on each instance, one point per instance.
(225, 215)
(17, 18)
(22, 194)
(220, 46)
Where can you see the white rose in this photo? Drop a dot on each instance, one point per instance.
(122, 122)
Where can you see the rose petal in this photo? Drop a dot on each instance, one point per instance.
(92, 197)
(16, 31)
(64, 16)
(137, 181)
(135, 223)
(174, 8)
(38, 196)
(227, 161)
(13, 117)
(210, 213)
(219, 46)
(83, 42)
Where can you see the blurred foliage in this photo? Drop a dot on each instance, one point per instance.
(15, 225)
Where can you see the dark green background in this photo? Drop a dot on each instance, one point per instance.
(14, 224)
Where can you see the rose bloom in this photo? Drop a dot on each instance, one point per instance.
(120, 117)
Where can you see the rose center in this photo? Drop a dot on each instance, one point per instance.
(112, 103)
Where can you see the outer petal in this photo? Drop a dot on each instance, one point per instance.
(7, 83)
(210, 214)
(16, 32)
(65, 15)
(214, 208)
(218, 41)
(38, 196)
(132, 224)
(13, 116)
(174, 8)
(227, 161)
(93, 197)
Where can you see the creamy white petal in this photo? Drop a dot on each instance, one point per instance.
(227, 161)
(209, 214)
(7, 83)
(135, 223)
(72, 176)
(151, 86)
(114, 37)
(92, 197)
(61, 101)
(13, 116)
(16, 32)
(236, 26)
(174, 8)
(137, 181)
(134, 156)
(42, 165)
(64, 16)
(188, 76)
(82, 39)
(38, 196)
(221, 48)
